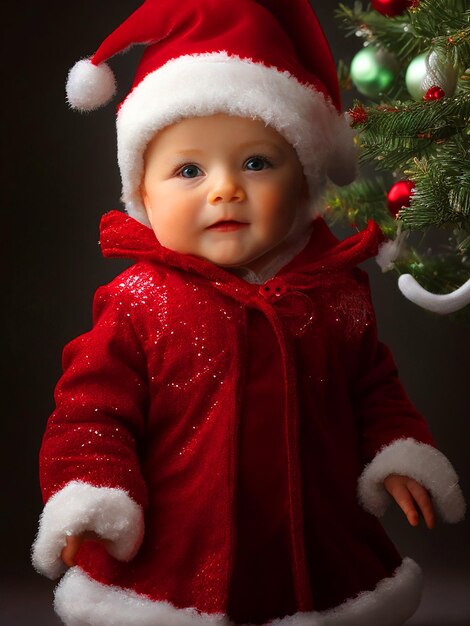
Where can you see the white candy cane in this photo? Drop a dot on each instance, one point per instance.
(442, 304)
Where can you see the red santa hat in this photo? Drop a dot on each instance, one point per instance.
(266, 59)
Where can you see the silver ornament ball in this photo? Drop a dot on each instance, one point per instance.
(428, 70)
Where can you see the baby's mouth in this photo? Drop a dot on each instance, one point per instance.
(227, 225)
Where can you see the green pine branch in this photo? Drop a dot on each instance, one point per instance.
(441, 196)
(363, 200)
(374, 27)
(428, 142)
(441, 24)
(464, 246)
(411, 118)
(394, 136)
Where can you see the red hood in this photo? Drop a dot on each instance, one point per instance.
(123, 236)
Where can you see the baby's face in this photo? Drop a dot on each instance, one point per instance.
(223, 188)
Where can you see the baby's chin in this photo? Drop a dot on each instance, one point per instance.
(253, 263)
(228, 264)
(253, 257)
(233, 261)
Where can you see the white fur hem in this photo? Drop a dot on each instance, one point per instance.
(78, 507)
(416, 460)
(81, 601)
(206, 84)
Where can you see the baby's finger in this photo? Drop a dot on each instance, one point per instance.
(71, 548)
(404, 500)
(424, 502)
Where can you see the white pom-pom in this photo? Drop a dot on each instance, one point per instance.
(342, 168)
(90, 86)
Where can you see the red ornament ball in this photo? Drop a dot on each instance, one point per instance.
(392, 7)
(434, 93)
(399, 196)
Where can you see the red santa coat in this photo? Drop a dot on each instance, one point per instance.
(230, 440)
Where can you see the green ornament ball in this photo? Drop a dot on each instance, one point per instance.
(427, 70)
(373, 71)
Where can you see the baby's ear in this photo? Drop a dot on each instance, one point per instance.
(144, 197)
(145, 201)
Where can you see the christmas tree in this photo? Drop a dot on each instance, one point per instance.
(413, 125)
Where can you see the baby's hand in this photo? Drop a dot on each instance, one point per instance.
(73, 544)
(407, 492)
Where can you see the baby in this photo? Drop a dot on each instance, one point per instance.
(230, 428)
(231, 190)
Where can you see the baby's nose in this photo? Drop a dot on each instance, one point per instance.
(226, 189)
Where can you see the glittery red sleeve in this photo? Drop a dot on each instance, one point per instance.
(100, 405)
(382, 407)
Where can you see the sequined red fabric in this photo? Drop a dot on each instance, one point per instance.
(240, 417)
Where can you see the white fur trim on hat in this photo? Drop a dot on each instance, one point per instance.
(416, 460)
(79, 507)
(202, 85)
(89, 86)
(81, 601)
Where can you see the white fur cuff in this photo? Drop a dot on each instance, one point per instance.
(79, 507)
(416, 460)
(80, 600)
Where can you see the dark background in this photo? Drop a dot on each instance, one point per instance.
(60, 176)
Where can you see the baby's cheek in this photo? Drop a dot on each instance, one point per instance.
(168, 232)
(279, 211)
(270, 196)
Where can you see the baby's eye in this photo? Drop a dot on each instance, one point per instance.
(257, 163)
(189, 171)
